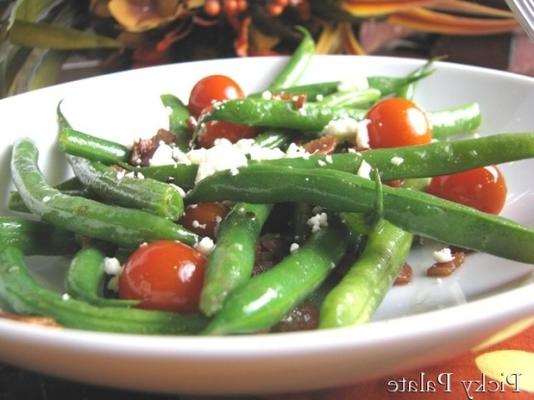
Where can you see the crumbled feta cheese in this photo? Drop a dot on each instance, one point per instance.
(294, 247)
(352, 151)
(112, 266)
(396, 160)
(222, 156)
(258, 153)
(329, 159)
(205, 246)
(365, 170)
(121, 174)
(196, 224)
(296, 151)
(349, 129)
(356, 82)
(162, 156)
(266, 95)
(65, 297)
(321, 163)
(318, 221)
(319, 97)
(443, 255)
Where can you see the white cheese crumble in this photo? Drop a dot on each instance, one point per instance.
(65, 297)
(321, 163)
(443, 255)
(294, 247)
(349, 129)
(112, 266)
(197, 225)
(162, 156)
(319, 97)
(396, 160)
(365, 170)
(205, 246)
(318, 221)
(296, 151)
(266, 95)
(356, 82)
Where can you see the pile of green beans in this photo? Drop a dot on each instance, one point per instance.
(111, 207)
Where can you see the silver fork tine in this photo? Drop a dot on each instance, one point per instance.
(524, 12)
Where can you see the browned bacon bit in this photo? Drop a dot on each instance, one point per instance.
(456, 249)
(41, 321)
(303, 317)
(144, 149)
(271, 248)
(405, 275)
(323, 145)
(444, 269)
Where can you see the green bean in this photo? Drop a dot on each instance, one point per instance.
(123, 226)
(91, 147)
(178, 120)
(301, 214)
(351, 98)
(267, 297)
(361, 290)
(71, 187)
(84, 279)
(416, 212)
(297, 63)
(231, 262)
(461, 119)
(433, 159)
(25, 296)
(34, 237)
(312, 117)
(273, 140)
(113, 186)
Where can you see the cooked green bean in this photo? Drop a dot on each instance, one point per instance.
(25, 296)
(123, 226)
(361, 290)
(351, 98)
(416, 212)
(231, 262)
(297, 64)
(34, 237)
(178, 120)
(312, 117)
(91, 147)
(84, 279)
(453, 121)
(267, 297)
(114, 186)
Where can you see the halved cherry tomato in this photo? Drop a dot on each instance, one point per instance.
(481, 188)
(214, 130)
(212, 88)
(165, 275)
(397, 122)
(204, 218)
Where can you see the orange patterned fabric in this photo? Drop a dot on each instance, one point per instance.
(473, 376)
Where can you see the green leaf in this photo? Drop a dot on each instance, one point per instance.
(38, 35)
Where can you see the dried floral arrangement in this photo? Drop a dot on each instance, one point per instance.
(38, 36)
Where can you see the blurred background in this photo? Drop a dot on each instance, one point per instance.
(47, 41)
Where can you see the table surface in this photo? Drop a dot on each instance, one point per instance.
(506, 52)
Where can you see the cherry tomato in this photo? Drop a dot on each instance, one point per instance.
(165, 275)
(397, 122)
(204, 218)
(480, 188)
(222, 129)
(212, 88)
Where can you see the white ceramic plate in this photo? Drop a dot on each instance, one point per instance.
(424, 322)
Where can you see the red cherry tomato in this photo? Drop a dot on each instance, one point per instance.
(480, 188)
(165, 275)
(204, 218)
(214, 130)
(397, 122)
(212, 88)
